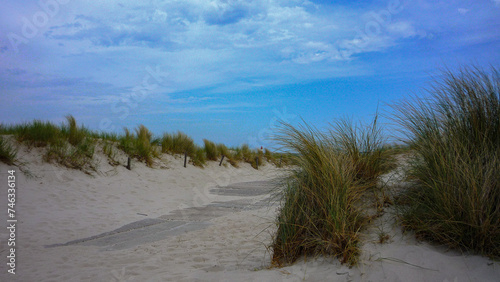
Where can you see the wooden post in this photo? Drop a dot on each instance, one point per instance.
(221, 160)
(257, 162)
(128, 163)
(185, 158)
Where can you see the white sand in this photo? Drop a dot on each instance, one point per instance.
(61, 205)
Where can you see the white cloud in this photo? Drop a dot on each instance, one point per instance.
(210, 43)
(159, 16)
(463, 11)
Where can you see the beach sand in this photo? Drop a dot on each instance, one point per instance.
(171, 223)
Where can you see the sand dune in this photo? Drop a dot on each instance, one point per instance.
(171, 223)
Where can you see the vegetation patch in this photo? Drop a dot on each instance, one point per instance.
(324, 203)
(7, 152)
(455, 166)
(139, 146)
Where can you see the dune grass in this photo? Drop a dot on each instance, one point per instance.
(108, 149)
(7, 152)
(214, 152)
(74, 134)
(178, 143)
(37, 133)
(139, 145)
(71, 146)
(323, 211)
(211, 150)
(455, 168)
(250, 156)
(66, 144)
(199, 158)
(223, 150)
(181, 143)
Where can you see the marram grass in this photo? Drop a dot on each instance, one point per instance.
(7, 152)
(455, 168)
(211, 150)
(73, 146)
(323, 208)
(139, 145)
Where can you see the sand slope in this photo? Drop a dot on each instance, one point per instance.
(172, 223)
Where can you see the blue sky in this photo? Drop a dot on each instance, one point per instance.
(227, 70)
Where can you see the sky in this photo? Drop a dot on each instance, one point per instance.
(229, 70)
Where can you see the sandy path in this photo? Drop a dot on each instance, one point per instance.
(181, 221)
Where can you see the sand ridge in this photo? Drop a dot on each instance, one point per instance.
(171, 223)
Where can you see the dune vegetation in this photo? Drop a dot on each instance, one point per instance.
(74, 146)
(454, 170)
(334, 184)
(452, 148)
(7, 152)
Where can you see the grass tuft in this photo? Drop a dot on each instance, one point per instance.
(74, 134)
(178, 143)
(139, 145)
(199, 158)
(109, 150)
(7, 152)
(38, 133)
(211, 150)
(72, 147)
(455, 168)
(322, 210)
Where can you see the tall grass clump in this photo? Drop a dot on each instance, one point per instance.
(71, 146)
(248, 155)
(144, 148)
(7, 152)
(109, 150)
(223, 150)
(74, 134)
(199, 158)
(139, 145)
(38, 133)
(181, 143)
(178, 143)
(365, 146)
(127, 142)
(323, 211)
(455, 172)
(211, 150)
